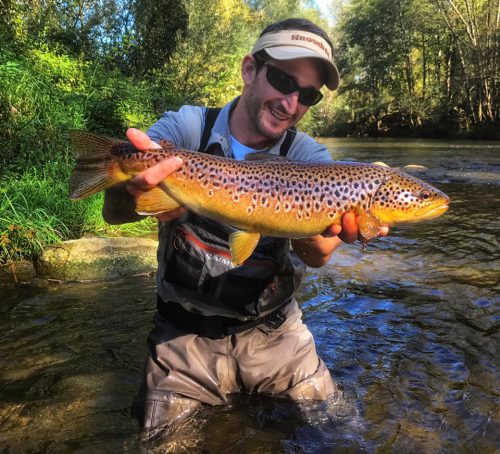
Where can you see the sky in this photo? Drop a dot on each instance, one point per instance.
(323, 6)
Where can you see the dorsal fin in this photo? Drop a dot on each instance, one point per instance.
(166, 145)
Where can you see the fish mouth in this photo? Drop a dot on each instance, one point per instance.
(433, 212)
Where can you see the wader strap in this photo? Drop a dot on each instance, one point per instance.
(210, 117)
(215, 326)
(285, 146)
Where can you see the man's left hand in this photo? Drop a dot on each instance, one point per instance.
(348, 231)
(316, 251)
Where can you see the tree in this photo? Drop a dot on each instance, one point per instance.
(159, 25)
(416, 66)
(205, 66)
(475, 28)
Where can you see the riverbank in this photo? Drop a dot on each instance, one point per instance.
(82, 260)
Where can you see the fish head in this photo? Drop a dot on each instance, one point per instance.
(402, 198)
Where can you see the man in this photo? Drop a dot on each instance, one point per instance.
(221, 329)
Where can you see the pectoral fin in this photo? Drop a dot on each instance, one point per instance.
(369, 225)
(242, 244)
(155, 201)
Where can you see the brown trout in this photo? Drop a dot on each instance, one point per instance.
(263, 195)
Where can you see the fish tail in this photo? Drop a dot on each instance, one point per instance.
(95, 168)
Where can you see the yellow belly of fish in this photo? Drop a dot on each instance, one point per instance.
(265, 215)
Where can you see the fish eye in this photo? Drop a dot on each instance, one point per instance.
(425, 194)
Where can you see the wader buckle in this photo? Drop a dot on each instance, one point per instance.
(275, 320)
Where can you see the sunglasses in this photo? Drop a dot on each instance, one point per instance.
(285, 83)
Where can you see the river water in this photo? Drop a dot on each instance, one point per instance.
(409, 329)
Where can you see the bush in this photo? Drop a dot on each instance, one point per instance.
(44, 95)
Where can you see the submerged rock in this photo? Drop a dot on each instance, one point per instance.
(17, 273)
(97, 259)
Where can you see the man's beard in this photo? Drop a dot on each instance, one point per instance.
(256, 110)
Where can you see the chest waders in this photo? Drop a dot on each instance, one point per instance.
(213, 298)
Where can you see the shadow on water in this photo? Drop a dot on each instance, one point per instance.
(409, 329)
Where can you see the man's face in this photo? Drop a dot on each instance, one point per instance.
(271, 112)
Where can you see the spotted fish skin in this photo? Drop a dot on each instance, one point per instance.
(285, 198)
(281, 198)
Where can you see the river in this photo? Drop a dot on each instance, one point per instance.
(409, 329)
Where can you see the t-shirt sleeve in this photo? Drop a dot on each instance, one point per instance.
(305, 148)
(182, 128)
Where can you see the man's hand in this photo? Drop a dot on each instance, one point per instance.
(348, 231)
(154, 175)
(316, 251)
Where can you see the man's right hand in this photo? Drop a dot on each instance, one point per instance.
(117, 209)
(151, 177)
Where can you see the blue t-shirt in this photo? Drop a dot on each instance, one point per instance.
(239, 150)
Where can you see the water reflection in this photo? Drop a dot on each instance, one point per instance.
(409, 329)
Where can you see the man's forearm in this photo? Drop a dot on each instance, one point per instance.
(316, 251)
(119, 206)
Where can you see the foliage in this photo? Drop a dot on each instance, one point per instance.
(204, 68)
(160, 25)
(416, 67)
(43, 94)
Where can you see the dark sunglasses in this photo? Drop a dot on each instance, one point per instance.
(286, 84)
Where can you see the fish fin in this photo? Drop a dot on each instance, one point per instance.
(167, 146)
(263, 156)
(369, 225)
(155, 201)
(414, 168)
(95, 168)
(242, 244)
(380, 163)
(89, 145)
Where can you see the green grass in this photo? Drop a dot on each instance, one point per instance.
(35, 210)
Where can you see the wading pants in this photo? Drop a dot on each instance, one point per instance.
(184, 370)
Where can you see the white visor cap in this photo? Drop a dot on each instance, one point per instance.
(292, 44)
